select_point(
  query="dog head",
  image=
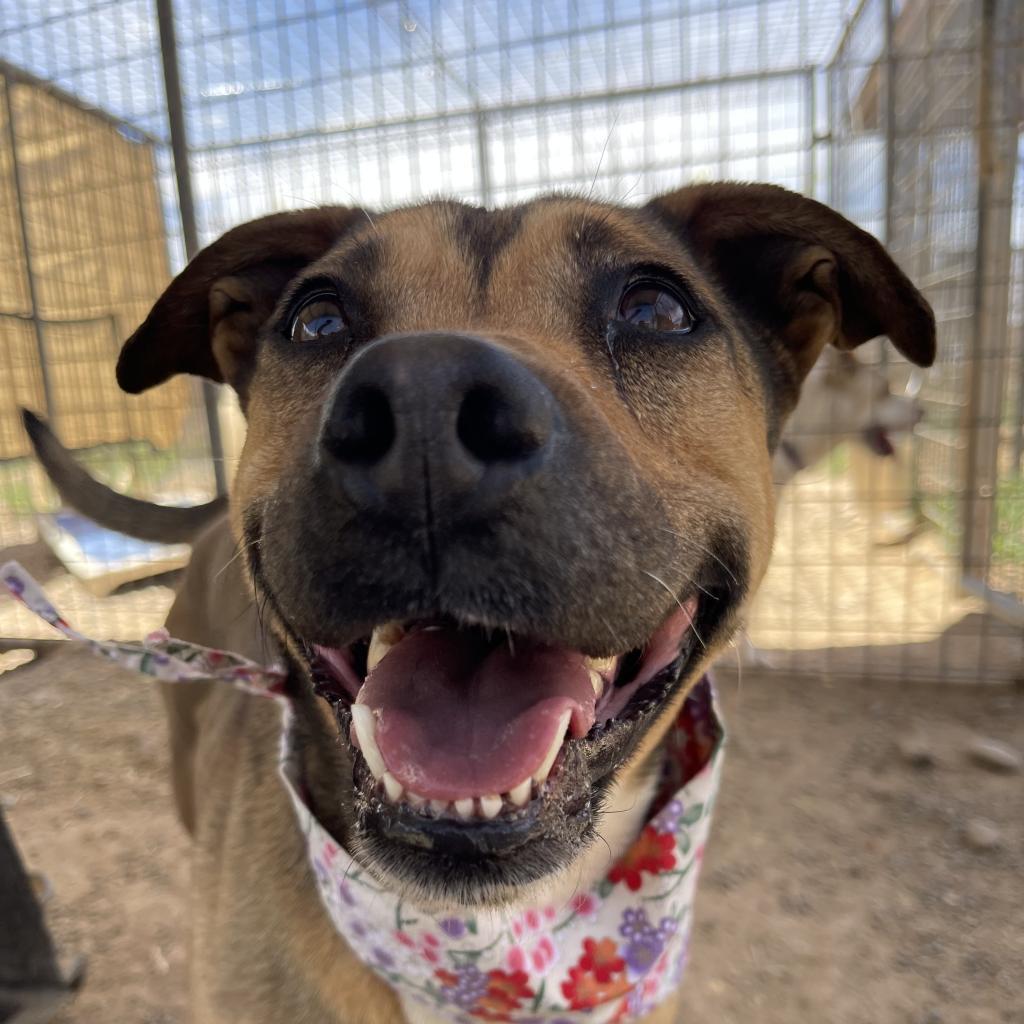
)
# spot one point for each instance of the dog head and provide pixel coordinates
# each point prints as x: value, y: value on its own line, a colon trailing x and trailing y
x: 505, y: 483
x: 843, y: 399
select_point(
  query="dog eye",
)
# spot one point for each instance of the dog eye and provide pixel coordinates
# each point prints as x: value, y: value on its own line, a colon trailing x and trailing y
x: 318, y: 317
x: 655, y: 306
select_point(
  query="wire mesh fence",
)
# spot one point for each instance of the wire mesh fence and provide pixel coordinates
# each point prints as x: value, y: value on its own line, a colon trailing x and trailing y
x: 904, y: 114
x: 925, y: 116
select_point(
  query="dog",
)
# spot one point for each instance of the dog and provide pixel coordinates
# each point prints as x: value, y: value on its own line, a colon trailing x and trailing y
x: 842, y: 399
x: 529, y: 449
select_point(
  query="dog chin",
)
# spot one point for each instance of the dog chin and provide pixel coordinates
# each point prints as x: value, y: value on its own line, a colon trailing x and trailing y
x: 486, y: 763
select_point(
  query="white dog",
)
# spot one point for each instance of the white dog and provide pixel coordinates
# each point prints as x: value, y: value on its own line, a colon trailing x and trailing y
x: 843, y: 399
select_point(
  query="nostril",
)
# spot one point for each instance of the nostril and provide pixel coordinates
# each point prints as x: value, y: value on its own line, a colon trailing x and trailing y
x: 363, y: 428
x: 492, y: 427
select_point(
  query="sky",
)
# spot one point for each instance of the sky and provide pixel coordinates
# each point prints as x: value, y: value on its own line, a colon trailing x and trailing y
x: 293, y: 102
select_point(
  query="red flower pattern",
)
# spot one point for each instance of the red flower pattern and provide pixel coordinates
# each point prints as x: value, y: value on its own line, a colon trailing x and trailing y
x: 653, y: 852
x: 598, y: 977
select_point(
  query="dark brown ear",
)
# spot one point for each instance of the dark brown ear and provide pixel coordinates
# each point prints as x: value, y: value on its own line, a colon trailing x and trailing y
x: 206, y: 321
x: 800, y: 269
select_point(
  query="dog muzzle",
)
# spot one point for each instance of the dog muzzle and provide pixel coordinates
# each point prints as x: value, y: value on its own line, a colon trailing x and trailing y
x: 613, y: 953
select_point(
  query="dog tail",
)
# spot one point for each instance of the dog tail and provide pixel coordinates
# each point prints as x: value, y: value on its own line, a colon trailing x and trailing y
x: 145, y: 520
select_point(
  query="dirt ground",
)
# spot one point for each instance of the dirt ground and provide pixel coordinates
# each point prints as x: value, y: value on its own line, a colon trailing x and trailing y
x: 839, y: 885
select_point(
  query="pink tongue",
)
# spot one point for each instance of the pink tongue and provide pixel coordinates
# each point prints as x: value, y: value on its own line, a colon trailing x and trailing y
x: 457, y: 719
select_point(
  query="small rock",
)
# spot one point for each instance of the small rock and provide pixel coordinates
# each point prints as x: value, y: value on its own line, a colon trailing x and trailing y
x: 982, y: 834
x: 915, y: 750
x: 1000, y: 757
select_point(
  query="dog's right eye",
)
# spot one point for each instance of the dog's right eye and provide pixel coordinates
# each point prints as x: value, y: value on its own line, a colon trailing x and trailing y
x: 656, y: 306
x: 318, y: 317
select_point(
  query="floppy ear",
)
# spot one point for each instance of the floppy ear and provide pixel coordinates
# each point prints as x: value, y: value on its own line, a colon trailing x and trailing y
x: 799, y: 269
x: 206, y: 321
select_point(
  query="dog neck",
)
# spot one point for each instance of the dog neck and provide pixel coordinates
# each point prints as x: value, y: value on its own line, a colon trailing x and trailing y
x: 614, y: 950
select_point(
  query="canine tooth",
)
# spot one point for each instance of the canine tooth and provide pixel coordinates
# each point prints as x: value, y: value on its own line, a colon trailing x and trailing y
x: 439, y: 806
x: 541, y: 774
x: 464, y: 808
x: 520, y: 795
x: 392, y: 787
x: 597, y: 682
x: 602, y: 664
x: 383, y: 638
x: 390, y: 632
x: 490, y: 805
x: 365, y: 726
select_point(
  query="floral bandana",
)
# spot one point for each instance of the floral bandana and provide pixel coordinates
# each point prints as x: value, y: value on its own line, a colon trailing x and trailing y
x: 611, y: 954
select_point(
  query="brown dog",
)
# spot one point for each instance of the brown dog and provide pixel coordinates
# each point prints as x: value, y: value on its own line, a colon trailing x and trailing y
x: 553, y: 424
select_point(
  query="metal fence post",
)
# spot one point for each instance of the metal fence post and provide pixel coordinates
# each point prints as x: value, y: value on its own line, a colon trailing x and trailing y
x: 483, y: 157
x: 889, y: 121
x: 26, y: 242
x: 186, y: 206
x: 986, y: 383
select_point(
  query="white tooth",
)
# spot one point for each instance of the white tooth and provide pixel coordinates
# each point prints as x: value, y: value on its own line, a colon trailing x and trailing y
x: 520, y: 796
x: 597, y: 682
x: 439, y: 807
x: 464, y: 808
x: 541, y: 774
x: 382, y: 639
x: 365, y: 726
x: 490, y: 805
x: 415, y: 800
x: 390, y: 632
x: 602, y: 664
x: 392, y: 787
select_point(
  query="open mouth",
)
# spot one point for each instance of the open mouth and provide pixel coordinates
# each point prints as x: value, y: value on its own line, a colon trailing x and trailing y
x: 460, y: 724
x: 878, y: 441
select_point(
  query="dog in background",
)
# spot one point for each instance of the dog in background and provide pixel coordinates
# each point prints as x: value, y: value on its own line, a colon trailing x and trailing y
x: 842, y: 399
x: 498, y: 434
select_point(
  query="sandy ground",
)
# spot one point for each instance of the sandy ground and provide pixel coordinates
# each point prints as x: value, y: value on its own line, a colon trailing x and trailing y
x: 839, y: 885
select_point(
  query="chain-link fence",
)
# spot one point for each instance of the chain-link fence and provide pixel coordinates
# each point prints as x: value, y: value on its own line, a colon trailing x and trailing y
x: 902, y: 113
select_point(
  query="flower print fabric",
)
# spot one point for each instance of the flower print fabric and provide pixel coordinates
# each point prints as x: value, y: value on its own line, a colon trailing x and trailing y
x: 612, y: 953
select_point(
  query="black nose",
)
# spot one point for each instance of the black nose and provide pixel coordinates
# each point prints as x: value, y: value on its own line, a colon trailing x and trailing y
x: 436, y: 425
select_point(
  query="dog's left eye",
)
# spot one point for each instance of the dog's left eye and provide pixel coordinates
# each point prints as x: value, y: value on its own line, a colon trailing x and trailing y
x: 318, y: 317
x: 655, y: 306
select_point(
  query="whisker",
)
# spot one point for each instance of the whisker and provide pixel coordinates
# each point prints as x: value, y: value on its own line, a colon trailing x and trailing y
x: 604, y: 150
x: 706, y: 550
x: 239, y: 549
x: 675, y: 598
x: 739, y: 669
